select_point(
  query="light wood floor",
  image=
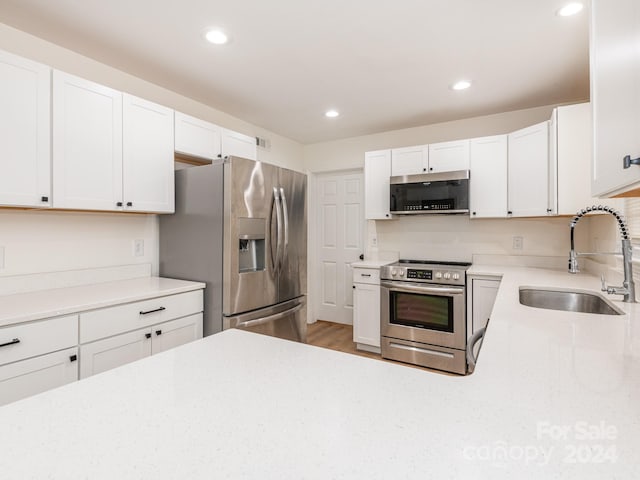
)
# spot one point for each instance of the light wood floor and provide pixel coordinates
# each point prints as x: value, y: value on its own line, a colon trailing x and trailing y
x: 335, y: 336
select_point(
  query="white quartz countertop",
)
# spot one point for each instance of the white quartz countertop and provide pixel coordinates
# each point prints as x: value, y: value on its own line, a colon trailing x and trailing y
x: 24, y: 307
x: 555, y: 395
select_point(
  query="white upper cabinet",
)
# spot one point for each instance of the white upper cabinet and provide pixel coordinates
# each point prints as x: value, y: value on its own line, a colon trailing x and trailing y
x: 449, y: 156
x: 571, y: 126
x: 528, y: 171
x: 377, y: 170
x: 87, y: 144
x: 615, y: 94
x: 148, y: 180
x: 410, y: 160
x: 25, y: 126
x: 197, y: 138
x: 488, y: 182
x: 238, y: 145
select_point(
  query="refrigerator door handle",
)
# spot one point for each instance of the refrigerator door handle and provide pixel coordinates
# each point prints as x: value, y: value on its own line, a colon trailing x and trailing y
x: 275, y: 205
x: 285, y: 215
x: 270, y: 318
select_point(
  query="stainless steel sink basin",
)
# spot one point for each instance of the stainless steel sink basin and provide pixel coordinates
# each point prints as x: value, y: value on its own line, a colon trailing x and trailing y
x: 568, y: 301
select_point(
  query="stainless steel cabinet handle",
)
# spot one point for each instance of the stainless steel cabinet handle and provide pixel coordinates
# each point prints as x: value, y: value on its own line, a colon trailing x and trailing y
x: 12, y: 342
x: 471, y: 358
x: 153, y: 311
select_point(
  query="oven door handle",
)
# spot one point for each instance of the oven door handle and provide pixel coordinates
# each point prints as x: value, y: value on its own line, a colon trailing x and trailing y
x: 418, y: 288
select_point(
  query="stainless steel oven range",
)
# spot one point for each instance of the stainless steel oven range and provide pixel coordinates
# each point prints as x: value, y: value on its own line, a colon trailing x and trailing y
x: 423, y: 314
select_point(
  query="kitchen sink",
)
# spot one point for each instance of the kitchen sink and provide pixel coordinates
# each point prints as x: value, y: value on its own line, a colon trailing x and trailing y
x: 568, y: 301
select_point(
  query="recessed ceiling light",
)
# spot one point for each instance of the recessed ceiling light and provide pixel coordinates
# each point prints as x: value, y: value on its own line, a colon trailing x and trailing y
x: 570, y: 9
x: 216, y: 36
x: 461, y: 85
x: 331, y: 113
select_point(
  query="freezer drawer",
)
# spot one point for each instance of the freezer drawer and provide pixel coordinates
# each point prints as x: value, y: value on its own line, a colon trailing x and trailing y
x: 286, y: 320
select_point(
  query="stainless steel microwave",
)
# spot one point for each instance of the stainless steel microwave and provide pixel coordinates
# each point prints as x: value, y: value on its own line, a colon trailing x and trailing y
x: 444, y: 192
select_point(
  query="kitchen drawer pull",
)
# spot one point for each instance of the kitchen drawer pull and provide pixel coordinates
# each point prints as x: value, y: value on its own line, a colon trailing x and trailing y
x: 12, y: 342
x: 147, y: 335
x: 158, y: 332
x: 152, y: 311
x: 365, y: 274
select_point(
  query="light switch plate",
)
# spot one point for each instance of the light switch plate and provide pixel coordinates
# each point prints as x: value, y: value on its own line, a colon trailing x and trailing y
x: 518, y: 243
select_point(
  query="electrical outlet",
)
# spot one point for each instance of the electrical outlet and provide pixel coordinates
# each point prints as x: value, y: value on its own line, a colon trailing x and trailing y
x: 138, y: 248
x: 374, y: 241
x: 518, y: 243
x: 1, y: 258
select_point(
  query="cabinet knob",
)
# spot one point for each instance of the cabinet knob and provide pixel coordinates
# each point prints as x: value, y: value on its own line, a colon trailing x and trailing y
x: 73, y: 358
x: 548, y: 210
x: 44, y: 198
x: 129, y: 204
x: 386, y: 214
x: 424, y: 169
x: 353, y: 286
x: 118, y: 204
x: 430, y: 169
x: 158, y: 332
x: 509, y: 212
x: 474, y: 213
x: 147, y: 335
x: 628, y: 161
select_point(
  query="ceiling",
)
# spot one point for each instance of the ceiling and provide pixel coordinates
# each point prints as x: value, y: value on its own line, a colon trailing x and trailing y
x: 383, y: 65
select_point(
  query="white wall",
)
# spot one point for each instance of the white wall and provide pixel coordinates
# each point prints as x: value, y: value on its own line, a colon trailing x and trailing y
x: 53, y: 241
x: 35, y: 241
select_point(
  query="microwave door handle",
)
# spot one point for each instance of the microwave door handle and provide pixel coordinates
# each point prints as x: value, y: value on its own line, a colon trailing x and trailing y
x: 422, y: 289
x: 285, y: 216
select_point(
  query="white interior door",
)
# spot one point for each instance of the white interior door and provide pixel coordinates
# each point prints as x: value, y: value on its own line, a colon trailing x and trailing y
x: 340, y: 226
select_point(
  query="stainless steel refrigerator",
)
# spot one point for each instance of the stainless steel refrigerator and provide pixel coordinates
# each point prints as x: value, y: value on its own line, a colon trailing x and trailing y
x: 240, y: 226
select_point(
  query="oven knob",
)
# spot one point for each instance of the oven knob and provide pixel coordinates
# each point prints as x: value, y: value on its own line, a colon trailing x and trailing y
x: 456, y: 276
x: 438, y: 274
x: 447, y: 276
x: 394, y: 272
x: 401, y: 272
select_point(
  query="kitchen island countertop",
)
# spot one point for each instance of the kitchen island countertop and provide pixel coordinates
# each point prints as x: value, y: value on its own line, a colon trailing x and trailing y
x: 554, y: 395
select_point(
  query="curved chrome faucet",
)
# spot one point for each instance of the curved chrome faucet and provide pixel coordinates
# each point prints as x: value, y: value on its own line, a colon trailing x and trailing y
x: 628, y: 288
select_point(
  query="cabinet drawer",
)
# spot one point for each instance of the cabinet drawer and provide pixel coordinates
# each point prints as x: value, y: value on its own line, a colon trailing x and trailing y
x: 28, y: 377
x: 36, y: 338
x: 123, y: 318
x: 366, y: 275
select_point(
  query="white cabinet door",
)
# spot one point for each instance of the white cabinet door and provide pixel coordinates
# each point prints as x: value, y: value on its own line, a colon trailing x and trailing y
x: 615, y: 94
x: 197, y: 138
x: 366, y: 314
x: 573, y: 149
x: 238, y: 145
x: 28, y: 377
x: 488, y: 182
x: 377, y: 170
x: 410, y: 160
x: 528, y: 160
x: 112, y: 352
x: 25, y: 129
x: 449, y: 156
x: 175, y: 333
x: 87, y: 144
x: 147, y: 156
x: 484, y: 292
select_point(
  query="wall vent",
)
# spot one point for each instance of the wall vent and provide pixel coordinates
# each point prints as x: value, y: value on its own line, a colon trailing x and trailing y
x: 264, y: 143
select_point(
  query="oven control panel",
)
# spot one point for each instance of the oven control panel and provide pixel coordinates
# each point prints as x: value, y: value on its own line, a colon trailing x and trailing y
x: 416, y: 274
x: 437, y: 274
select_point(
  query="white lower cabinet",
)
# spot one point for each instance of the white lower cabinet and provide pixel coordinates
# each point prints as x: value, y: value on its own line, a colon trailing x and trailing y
x: 481, y: 296
x: 366, y: 309
x: 112, y: 352
x: 175, y: 333
x: 28, y: 377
